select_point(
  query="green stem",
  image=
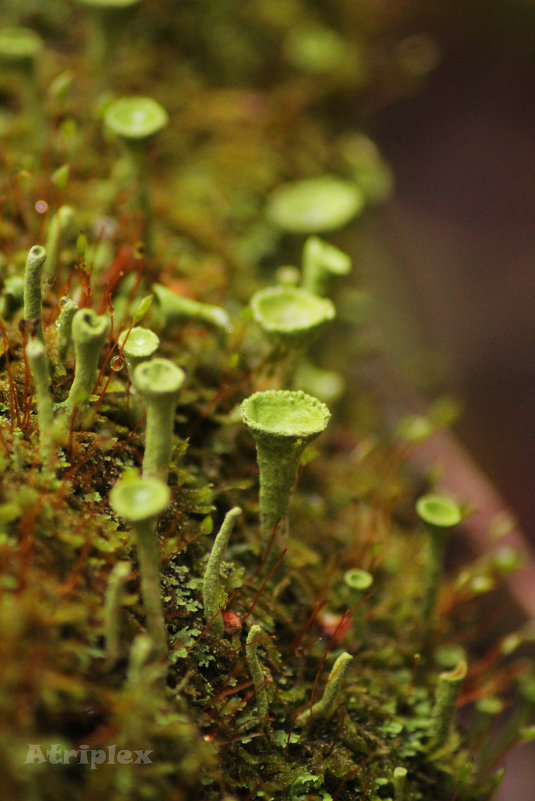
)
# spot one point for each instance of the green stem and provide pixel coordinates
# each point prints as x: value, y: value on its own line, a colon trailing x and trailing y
x: 33, y: 298
x: 148, y: 554
x: 38, y: 363
x: 324, y: 707
x: 212, y: 575
x: 257, y: 674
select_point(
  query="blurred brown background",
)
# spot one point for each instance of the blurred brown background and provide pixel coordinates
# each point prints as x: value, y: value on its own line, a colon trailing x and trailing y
x: 462, y: 226
x: 460, y: 239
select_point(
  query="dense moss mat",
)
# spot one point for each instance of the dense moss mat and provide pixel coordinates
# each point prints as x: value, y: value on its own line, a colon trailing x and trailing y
x: 257, y: 94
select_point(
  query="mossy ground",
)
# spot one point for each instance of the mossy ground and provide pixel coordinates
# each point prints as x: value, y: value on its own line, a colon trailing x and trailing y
x: 243, y: 120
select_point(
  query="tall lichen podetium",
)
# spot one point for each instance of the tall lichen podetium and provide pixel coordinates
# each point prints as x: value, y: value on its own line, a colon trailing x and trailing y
x: 325, y: 706
x: 446, y: 695
x: 89, y: 331
x: 212, y: 577
x: 69, y: 308
x: 38, y: 363
x: 282, y: 423
x: 33, y: 297
x: 140, y: 501
x: 158, y: 381
x: 292, y: 318
x: 135, y: 121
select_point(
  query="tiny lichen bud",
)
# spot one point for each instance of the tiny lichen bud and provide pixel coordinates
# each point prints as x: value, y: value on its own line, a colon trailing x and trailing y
x: 159, y: 382
x: 173, y: 308
x: 64, y: 326
x: 60, y: 222
x: 116, y: 583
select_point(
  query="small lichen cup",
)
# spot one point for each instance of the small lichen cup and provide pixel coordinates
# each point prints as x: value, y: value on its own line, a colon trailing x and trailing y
x: 159, y: 382
x: 137, y: 345
x: 282, y: 424
x: 315, y: 205
x: 439, y: 514
x: 291, y: 315
x: 140, y: 501
x: 292, y: 318
x: 135, y: 121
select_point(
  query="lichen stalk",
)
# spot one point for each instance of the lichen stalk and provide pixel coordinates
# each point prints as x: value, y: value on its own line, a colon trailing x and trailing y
x: 212, y: 577
x: 446, y: 695
x: 159, y: 381
x: 33, y: 298
x: 38, y: 364
x: 69, y: 308
x: 148, y: 554
x: 88, y: 333
x: 325, y: 706
x: 116, y: 584
x: 255, y: 668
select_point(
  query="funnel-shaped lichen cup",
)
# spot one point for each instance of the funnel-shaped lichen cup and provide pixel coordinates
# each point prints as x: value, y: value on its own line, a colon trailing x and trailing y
x: 315, y: 205
x: 282, y: 423
x: 290, y: 315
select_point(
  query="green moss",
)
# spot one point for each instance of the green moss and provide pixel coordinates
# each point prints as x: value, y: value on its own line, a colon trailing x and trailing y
x: 220, y: 714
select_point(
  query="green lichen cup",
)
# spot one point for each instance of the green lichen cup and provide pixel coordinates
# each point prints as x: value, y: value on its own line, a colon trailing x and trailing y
x: 439, y: 514
x: 282, y: 424
x: 137, y: 345
x: 315, y: 205
x: 291, y: 315
x: 135, y: 120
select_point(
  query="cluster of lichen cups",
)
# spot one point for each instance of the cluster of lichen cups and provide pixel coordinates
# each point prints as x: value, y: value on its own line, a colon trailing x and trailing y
x: 282, y: 421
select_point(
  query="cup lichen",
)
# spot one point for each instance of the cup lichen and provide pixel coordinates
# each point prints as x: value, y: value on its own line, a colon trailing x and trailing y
x: 159, y: 382
x: 282, y: 423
